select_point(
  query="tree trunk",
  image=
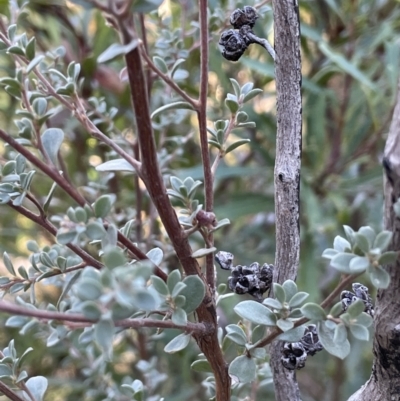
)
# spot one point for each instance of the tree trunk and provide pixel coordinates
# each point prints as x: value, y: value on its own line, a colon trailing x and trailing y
x: 287, y: 169
x: 384, y: 383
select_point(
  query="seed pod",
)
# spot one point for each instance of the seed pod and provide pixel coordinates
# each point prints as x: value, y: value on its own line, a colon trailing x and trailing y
x: 233, y: 43
x: 294, y: 356
x: 246, y: 16
x: 224, y: 259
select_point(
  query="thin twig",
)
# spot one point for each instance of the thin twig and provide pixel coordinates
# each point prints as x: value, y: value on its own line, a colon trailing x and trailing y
x: 202, y: 119
x: 4, y: 389
x: 45, y: 315
x: 168, y: 80
x: 43, y: 222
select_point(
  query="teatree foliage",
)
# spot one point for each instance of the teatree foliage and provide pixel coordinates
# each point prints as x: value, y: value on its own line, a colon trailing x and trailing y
x: 349, y: 84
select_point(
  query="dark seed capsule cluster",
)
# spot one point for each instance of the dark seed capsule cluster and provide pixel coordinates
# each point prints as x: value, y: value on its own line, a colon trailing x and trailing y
x: 360, y: 292
x: 235, y: 41
x: 294, y: 355
x: 254, y: 279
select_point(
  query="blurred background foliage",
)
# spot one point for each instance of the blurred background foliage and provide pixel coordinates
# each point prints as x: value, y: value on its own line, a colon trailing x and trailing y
x: 350, y: 56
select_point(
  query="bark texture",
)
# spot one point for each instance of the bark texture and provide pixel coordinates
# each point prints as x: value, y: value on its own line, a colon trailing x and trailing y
x: 287, y: 168
x: 384, y: 383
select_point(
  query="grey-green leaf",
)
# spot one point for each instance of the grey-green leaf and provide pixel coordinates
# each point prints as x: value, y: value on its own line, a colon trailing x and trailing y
x: 178, y: 343
x: 382, y: 240
x: 159, y: 285
x: 358, y: 264
x: 116, y: 165
x: 359, y: 332
x: 179, y: 317
x: 171, y: 106
x: 203, y: 252
x: 103, y: 205
x: 37, y: 386
x: 380, y: 278
x: 52, y: 139
x: 255, y: 313
x: 194, y: 292
x: 388, y: 257
x: 313, y: 311
x: 115, y: 50
x: 201, y: 365
x: 243, y: 368
x: 326, y: 338
x: 298, y: 299
x: 341, y: 262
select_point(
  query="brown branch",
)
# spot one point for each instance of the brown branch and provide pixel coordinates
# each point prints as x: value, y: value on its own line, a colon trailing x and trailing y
x: 49, y: 170
x: 202, y: 119
x: 4, y: 389
x: 45, y: 315
x: 153, y: 180
x: 43, y: 222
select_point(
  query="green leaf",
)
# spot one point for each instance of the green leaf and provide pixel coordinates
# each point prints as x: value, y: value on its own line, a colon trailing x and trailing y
x: 341, y: 245
x: 194, y: 292
x: 272, y: 303
x: 292, y: 335
x: 89, y: 289
x: 37, y: 386
x: 336, y: 309
x: 236, y: 86
x: 341, y: 350
x: 232, y: 105
x: 359, y: 332
x: 95, y: 230
x: 68, y: 286
x: 173, y: 278
x: 362, y: 242
x: 298, y: 299
x: 379, y: 277
x: 340, y: 334
x: 91, y: 310
x: 116, y: 165
x: 388, y: 258
x: 243, y: 368
x: 285, y: 324
x: 49, y: 197
x: 30, y: 48
x: 160, y: 64
x: 313, y: 311
x: 116, y: 50
x: 364, y: 319
x: 171, y: 106
x: 103, y: 205
x: 236, y: 144
x: 66, y: 237
x: 203, y: 252
x: 356, y: 308
x: 178, y: 289
x: 8, y: 264
x: 155, y: 255
x: 255, y: 313
x: 220, y: 224
x: 250, y: 95
x: 52, y: 139
x: 178, y: 343
x: 201, y: 365
x: 290, y: 288
x: 146, y: 6
x: 179, y: 317
x: 349, y: 234
x: 114, y: 258
x: 369, y: 233
x: 342, y: 261
x: 18, y: 50
x: 359, y: 264
x: 279, y: 292
x: 236, y: 334
x: 383, y: 240
x: 159, y: 285
x: 104, y: 335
